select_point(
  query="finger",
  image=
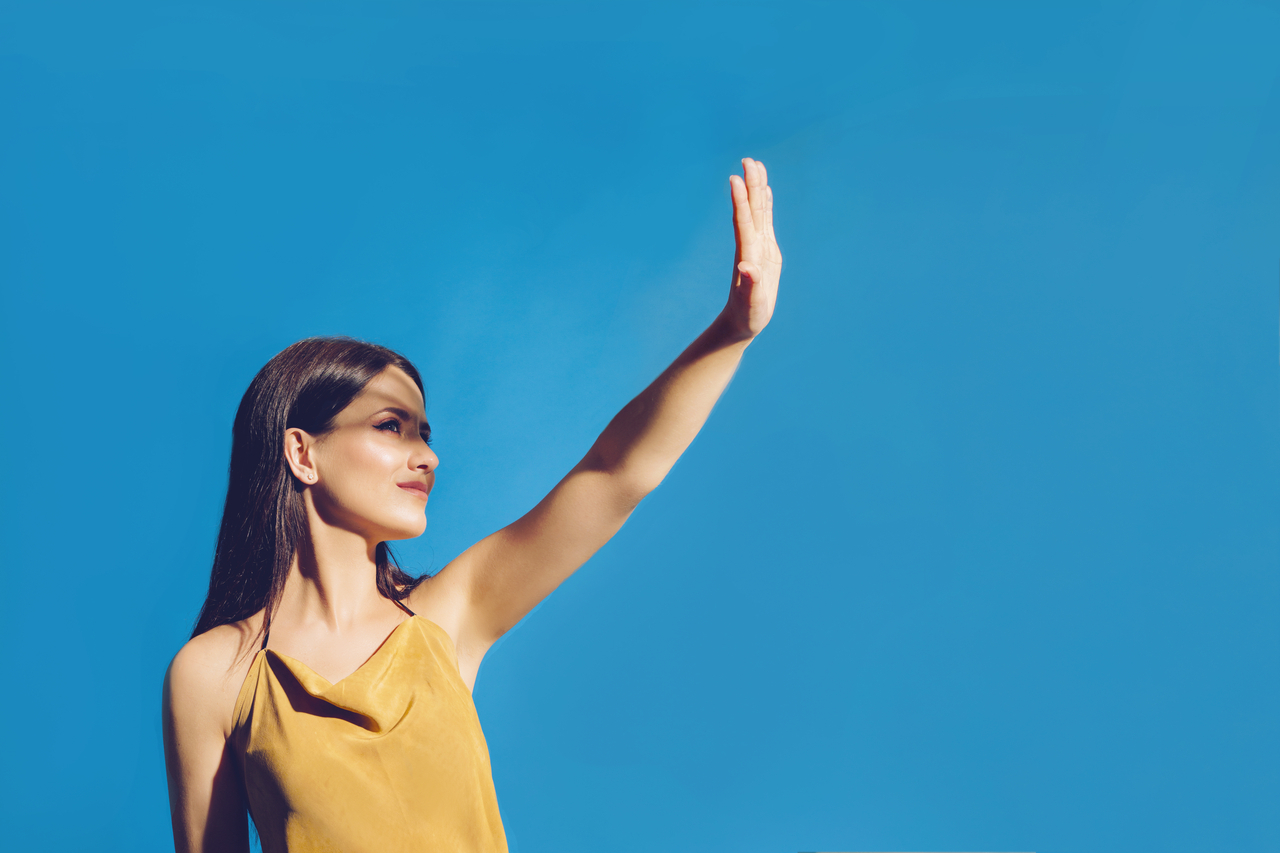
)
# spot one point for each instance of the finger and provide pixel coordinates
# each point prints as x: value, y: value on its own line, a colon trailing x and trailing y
x: 767, y: 225
x: 768, y: 215
x: 749, y: 271
x: 755, y: 190
x: 742, y: 224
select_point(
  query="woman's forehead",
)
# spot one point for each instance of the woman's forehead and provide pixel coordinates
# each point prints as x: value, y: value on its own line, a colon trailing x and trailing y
x: 392, y: 388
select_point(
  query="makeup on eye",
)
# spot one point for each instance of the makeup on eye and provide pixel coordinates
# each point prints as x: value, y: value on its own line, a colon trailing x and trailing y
x: 394, y: 425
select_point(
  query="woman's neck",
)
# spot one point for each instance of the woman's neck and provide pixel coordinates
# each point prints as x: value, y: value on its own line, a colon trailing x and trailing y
x: 333, y: 580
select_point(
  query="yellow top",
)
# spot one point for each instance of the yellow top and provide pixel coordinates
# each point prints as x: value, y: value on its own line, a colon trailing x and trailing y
x: 391, y: 758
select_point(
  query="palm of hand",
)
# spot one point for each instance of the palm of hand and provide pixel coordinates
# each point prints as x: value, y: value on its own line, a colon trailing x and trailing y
x: 757, y: 264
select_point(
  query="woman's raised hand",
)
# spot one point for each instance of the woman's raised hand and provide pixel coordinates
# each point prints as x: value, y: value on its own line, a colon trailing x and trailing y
x: 758, y: 261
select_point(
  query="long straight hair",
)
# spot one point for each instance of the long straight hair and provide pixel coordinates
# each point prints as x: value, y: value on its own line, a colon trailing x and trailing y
x: 264, y: 520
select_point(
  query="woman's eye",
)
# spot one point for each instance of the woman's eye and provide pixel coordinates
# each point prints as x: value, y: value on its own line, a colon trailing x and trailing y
x: 392, y: 426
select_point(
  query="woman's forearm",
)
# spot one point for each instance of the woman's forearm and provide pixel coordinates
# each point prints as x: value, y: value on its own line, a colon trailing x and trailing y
x: 504, y: 576
x: 645, y: 439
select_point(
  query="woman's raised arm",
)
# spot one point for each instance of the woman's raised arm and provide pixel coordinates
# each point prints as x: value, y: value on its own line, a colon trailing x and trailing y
x: 487, y: 589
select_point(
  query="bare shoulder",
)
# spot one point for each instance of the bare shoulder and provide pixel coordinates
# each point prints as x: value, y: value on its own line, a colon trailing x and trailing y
x: 206, y: 674
x: 200, y: 690
x: 443, y: 597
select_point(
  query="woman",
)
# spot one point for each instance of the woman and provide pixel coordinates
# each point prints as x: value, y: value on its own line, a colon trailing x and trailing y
x: 373, y: 743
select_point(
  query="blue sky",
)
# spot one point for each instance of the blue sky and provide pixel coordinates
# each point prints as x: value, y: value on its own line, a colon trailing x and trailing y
x: 978, y: 551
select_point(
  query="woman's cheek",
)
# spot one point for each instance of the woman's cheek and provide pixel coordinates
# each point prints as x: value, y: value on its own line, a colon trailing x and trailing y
x: 372, y: 459
x: 356, y: 470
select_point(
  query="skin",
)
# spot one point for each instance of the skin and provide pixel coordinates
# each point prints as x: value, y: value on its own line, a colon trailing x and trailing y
x: 331, y: 615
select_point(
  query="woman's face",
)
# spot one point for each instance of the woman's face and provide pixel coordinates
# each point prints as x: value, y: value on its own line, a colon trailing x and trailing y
x: 373, y: 471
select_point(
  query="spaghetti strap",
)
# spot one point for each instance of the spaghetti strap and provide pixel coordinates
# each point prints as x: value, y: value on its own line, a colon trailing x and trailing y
x: 402, y: 607
x: 265, y: 634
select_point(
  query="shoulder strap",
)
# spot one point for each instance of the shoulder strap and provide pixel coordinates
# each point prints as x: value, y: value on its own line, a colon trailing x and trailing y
x: 402, y: 607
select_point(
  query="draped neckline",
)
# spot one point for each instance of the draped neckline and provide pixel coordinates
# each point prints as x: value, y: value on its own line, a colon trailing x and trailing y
x: 353, y: 689
x: 295, y: 664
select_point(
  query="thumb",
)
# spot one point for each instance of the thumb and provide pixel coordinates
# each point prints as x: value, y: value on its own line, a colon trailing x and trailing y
x: 749, y: 271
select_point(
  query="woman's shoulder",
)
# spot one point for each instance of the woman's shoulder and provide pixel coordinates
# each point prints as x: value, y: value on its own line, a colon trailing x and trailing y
x: 205, y: 676
x: 439, y: 598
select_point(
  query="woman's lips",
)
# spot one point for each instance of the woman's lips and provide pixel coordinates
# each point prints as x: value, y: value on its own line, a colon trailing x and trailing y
x: 417, y: 488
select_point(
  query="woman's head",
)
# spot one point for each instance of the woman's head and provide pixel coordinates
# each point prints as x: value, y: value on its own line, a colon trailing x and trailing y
x: 368, y: 469
x: 331, y: 427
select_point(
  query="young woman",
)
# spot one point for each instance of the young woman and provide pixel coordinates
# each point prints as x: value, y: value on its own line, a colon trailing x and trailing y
x: 325, y: 691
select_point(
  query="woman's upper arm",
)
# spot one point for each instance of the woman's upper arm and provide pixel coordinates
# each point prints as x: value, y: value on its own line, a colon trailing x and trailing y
x: 206, y: 800
x: 494, y: 583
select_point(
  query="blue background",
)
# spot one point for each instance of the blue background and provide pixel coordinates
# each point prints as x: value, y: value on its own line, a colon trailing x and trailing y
x: 978, y: 551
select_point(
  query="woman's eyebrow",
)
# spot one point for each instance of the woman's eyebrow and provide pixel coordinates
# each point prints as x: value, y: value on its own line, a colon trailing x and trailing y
x: 404, y: 413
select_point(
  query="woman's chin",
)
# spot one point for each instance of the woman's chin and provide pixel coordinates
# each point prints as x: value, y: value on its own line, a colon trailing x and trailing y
x: 397, y: 532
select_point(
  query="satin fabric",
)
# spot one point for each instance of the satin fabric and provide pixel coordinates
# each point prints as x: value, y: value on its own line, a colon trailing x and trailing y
x: 390, y: 758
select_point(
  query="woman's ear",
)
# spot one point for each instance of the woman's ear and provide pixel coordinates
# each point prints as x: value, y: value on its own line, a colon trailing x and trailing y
x: 298, y: 444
